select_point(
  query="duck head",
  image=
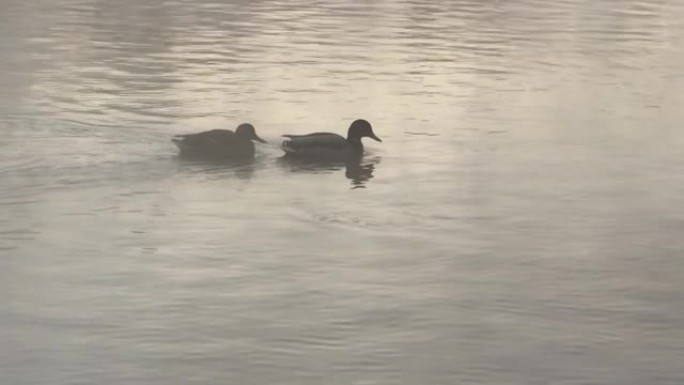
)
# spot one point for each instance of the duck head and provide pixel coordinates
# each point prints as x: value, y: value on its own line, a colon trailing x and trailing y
x: 246, y: 131
x: 361, y: 128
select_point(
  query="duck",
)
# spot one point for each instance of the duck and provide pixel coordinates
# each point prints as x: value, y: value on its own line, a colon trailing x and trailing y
x: 219, y: 143
x: 330, y: 146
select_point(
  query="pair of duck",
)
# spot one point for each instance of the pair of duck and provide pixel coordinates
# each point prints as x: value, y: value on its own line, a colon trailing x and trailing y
x: 226, y: 144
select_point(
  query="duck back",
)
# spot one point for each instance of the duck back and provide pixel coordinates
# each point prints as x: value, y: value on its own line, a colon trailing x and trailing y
x: 320, y: 146
x: 214, y: 144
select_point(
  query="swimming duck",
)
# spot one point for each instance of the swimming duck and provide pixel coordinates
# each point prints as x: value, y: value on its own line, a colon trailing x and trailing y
x: 219, y: 144
x: 329, y: 146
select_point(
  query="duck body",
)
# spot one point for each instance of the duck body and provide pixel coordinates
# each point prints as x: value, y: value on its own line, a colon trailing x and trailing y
x: 219, y: 144
x: 321, y: 145
x: 329, y: 146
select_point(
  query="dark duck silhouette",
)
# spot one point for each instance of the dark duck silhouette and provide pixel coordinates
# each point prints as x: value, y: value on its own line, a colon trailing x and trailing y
x: 219, y: 144
x: 328, y: 146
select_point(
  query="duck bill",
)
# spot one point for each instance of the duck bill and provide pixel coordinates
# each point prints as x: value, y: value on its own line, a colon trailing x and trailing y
x: 372, y: 136
x: 258, y: 139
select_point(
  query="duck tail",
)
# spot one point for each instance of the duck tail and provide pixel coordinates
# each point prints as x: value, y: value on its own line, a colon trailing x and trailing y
x: 178, y: 142
x: 287, y: 147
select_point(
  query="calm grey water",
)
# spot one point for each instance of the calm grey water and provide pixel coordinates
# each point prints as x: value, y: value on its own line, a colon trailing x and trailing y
x: 521, y: 223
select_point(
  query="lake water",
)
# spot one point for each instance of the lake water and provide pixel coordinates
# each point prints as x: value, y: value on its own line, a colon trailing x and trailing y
x: 521, y: 223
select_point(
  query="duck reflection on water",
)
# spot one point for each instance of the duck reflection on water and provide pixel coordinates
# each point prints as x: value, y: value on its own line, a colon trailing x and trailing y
x: 220, y: 168
x: 358, y: 170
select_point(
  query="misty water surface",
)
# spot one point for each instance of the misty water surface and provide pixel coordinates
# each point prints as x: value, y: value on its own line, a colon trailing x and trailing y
x: 521, y: 223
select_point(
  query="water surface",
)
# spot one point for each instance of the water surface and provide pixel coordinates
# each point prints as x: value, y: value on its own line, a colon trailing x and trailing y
x: 520, y: 223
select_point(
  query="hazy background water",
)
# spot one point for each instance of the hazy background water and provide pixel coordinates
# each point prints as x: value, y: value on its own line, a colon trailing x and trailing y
x: 521, y: 223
